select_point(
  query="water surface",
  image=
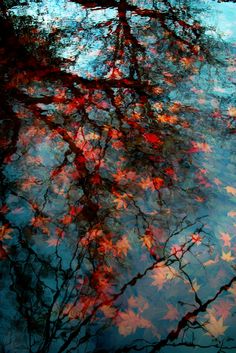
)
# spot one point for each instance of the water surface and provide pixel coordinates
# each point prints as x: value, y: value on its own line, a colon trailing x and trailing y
x: 118, y: 183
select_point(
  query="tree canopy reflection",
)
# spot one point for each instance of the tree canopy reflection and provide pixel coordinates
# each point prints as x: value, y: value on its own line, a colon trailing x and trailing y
x: 117, y: 230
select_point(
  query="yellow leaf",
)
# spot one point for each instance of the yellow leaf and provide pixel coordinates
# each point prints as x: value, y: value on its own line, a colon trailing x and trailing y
x: 232, y: 112
x: 226, y: 256
x: 215, y: 327
x: 231, y: 190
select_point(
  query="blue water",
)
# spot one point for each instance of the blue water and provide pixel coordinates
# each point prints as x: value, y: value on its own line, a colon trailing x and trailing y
x: 118, y: 183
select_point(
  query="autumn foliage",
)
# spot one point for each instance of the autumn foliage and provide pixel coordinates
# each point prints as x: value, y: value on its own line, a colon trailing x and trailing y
x: 117, y: 225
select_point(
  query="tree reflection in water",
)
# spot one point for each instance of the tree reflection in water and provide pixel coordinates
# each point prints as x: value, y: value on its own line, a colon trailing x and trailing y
x: 117, y: 184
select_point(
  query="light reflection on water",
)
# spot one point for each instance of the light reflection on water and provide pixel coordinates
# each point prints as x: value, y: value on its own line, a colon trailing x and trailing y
x: 118, y: 207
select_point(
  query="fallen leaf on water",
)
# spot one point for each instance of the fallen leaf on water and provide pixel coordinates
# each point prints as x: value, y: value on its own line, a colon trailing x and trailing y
x: 231, y: 190
x: 215, y: 327
x: 226, y: 238
x: 123, y: 246
x: 231, y: 214
x: 138, y: 302
x: 162, y: 274
x: 211, y: 262
x: 128, y: 322
x: 232, y: 112
x: 226, y: 256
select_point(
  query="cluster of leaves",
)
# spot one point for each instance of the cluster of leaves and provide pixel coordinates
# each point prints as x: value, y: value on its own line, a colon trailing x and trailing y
x: 107, y: 181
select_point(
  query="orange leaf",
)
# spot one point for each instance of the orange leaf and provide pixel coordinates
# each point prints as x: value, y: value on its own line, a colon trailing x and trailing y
x: 227, y: 256
x: 226, y: 238
x: 231, y: 214
x: 162, y: 274
x: 231, y: 190
x: 123, y: 246
x: 128, y: 322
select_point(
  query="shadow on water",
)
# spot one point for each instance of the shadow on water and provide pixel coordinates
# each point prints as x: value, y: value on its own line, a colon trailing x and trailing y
x: 117, y: 180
